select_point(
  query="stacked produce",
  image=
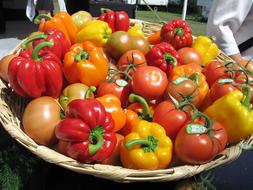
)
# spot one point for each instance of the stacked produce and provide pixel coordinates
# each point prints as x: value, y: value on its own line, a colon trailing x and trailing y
x: 100, y: 91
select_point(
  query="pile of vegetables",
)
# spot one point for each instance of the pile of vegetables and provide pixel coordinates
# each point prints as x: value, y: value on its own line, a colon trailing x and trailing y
x: 102, y: 92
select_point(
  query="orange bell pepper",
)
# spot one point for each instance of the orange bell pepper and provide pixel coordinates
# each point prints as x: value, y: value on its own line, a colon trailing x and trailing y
x: 132, y: 119
x: 61, y: 21
x: 192, y: 71
x: 85, y: 63
x: 155, y: 38
x: 112, y: 105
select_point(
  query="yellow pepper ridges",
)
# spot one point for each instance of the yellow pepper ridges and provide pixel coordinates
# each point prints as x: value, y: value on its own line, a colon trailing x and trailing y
x: 146, y: 147
x: 206, y: 48
x: 231, y: 112
x: 136, y: 31
x: 96, y: 31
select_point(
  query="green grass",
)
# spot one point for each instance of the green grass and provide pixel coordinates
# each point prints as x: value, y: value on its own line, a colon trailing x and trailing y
x: 198, y: 28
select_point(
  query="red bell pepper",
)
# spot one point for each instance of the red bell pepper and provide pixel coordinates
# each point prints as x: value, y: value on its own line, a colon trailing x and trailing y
x: 163, y: 56
x: 87, y: 131
x: 177, y: 33
x: 116, y: 20
x: 36, y: 73
x: 60, y: 44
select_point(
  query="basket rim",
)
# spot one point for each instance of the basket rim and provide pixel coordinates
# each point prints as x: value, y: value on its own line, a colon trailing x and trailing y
x: 12, y: 125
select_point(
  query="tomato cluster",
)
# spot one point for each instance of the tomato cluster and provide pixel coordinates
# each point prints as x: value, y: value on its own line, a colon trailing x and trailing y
x: 96, y: 94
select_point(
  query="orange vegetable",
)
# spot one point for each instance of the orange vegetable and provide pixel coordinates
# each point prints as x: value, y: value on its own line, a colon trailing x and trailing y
x: 112, y: 105
x: 61, y: 21
x: 154, y: 38
x: 132, y: 119
x: 193, y: 72
x: 85, y: 63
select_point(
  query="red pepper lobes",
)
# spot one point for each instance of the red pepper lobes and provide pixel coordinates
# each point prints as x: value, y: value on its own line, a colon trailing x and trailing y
x: 36, y: 73
x: 60, y: 44
x: 116, y: 20
x: 177, y: 33
x: 87, y: 131
x: 163, y: 56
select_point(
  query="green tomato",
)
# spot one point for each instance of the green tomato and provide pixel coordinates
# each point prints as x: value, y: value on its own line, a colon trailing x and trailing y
x: 80, y: 18
x: 121, y: 42
x: 72, y: 92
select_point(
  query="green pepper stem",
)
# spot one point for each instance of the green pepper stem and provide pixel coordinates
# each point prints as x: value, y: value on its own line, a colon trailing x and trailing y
x: 96, y: 135
x: 89, y: 91
x: 167, y: 57
x: 179, y: 31
x: 82, y: 55
x: 247, y: 92
x: 41, y: 16
x: 149, y: 144
x: 104, y: 10
x: 32, y: 38
x: 146, y: 110
x: 35, y: 53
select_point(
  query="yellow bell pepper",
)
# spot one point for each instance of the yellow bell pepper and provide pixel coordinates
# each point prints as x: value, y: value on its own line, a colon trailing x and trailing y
x: 234, y: 112
x: 136, y: 30
x: 206, y: 48
x: 96, y: 31
x: 146, y: 147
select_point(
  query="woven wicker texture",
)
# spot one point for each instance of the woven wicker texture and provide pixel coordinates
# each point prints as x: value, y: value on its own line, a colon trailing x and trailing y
x: 12, y: 107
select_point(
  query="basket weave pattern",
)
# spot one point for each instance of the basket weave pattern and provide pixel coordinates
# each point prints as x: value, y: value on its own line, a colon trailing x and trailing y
x: 12, y: 107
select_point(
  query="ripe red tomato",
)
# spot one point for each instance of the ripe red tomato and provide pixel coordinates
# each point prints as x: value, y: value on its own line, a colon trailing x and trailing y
x: 40, y: 117
x: 214, y: 71
x: 170, y: 118
x: 149, y: 82
x: 200, y: 148
x: 185, y: 88
x: 218, y: 90
x: 122, y: 92
x: 189, y: 55
x: 134, y: 57
x: 4, y: 63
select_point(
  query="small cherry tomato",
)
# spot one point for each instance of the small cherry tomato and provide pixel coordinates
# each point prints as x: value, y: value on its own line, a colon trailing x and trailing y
x: 189, y: 55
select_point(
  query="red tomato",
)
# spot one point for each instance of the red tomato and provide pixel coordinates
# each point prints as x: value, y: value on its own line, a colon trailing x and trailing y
x: 185, y: 88
x: 114, y: 158
x: 218, y: 90
x: 40, y: 117
x: 130, y: 60
x: 149, y: 82
x: 4, y: 63
x: 122, y: 92
x: 189, y: 55
x: 214, y: 71
x: 200, y: 148
x: 170, y: 118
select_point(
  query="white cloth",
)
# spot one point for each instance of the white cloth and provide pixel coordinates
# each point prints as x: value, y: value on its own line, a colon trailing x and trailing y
x: 231, y: 22
x: 30, y: 8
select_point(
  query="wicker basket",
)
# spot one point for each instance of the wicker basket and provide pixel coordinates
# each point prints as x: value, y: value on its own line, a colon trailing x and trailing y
x: 12, y: 107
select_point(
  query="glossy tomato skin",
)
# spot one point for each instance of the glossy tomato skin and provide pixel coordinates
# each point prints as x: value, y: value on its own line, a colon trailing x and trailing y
x: 135, y: 57
x: 214, y: 71
x: 40, y: 117
x: 200, y: 148
x: 149, y: 82
x: 218, y: 90
x: 186, y: 88
x: 170, y: 118
x: 189, y: 55
x: 122, y: 92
